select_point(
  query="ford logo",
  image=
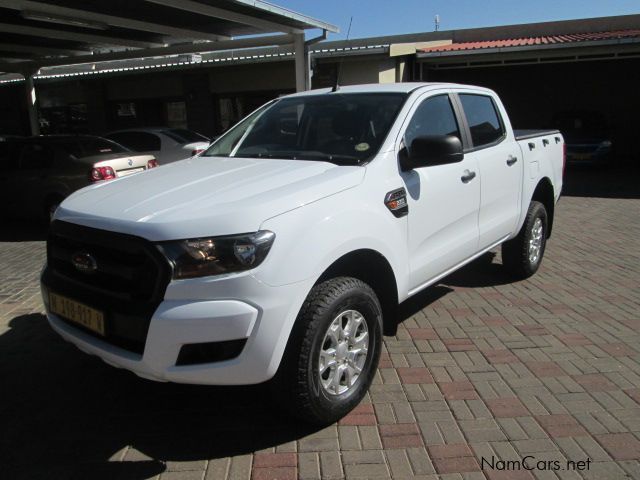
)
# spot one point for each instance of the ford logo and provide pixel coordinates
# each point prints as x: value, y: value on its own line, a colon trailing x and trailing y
x: 84, y: 262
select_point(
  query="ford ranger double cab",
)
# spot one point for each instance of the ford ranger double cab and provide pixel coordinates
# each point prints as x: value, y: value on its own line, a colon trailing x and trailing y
x: 281, y: 253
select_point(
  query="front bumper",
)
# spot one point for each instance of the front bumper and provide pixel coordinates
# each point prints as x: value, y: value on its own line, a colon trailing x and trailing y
x: 206, y: 310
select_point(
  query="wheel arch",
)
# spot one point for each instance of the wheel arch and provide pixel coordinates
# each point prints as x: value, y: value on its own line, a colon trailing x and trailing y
x: 544, y: 194
x: 374, y: 269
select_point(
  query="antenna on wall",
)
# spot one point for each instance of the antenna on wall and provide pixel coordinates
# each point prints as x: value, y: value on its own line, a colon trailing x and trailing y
x: 336, y: 86
x: 437, y: 20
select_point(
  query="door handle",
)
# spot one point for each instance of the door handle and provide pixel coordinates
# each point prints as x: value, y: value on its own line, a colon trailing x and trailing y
x: 468, y: 176
x: 511, y: 160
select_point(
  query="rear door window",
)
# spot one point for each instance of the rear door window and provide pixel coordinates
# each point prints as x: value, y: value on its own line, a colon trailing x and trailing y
x: 485, y: 125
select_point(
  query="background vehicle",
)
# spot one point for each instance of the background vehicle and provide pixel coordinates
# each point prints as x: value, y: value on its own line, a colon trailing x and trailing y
x: 282, y: 252
x: 587, y: 136
x: 166, y: 144
x: 37, y: 173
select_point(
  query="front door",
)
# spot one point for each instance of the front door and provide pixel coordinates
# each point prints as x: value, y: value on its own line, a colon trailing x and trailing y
x: 443, y: 200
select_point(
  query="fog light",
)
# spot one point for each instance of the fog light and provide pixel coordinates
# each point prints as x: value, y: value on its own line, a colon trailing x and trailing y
x: 210, y: 352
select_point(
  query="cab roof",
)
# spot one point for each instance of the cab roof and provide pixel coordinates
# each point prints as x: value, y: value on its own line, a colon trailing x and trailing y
x: 406, y: 87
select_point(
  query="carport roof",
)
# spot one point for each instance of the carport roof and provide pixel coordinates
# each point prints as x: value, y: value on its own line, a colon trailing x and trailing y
x: 537, y: 41
x: 50, y: 32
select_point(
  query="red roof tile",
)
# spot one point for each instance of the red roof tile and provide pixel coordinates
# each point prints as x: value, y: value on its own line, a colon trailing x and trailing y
x: 544, y: 40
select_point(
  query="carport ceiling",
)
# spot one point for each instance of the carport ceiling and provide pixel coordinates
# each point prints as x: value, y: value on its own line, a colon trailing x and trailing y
x: 46, y: 32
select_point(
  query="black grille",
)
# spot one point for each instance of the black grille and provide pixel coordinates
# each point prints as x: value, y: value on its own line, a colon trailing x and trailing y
x: 128, y: 284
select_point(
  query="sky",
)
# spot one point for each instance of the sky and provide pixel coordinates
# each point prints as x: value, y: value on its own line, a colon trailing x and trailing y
x: 388, y: 17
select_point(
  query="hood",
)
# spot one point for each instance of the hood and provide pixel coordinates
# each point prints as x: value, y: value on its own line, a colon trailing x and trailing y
x: 205, y: 196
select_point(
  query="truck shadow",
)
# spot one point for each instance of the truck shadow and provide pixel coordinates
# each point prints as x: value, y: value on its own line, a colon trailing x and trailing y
x: 482, y: 272
x: 66, y: 414
x: 23, y: 231
x: 619, y: 181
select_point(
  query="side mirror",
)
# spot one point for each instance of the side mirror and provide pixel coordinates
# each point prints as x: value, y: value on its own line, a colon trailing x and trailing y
x: 431, y: 150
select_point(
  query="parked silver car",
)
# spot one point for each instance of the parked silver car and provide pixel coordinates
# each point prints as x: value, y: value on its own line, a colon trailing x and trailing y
x: 37, y: 173
x: 166, y: 144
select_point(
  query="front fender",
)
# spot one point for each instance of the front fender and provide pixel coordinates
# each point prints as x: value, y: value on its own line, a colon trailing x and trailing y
x: 311, y: 238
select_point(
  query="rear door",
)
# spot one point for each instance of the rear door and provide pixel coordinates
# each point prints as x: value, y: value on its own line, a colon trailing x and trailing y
x: 443, y: 199
x: 497, y: 154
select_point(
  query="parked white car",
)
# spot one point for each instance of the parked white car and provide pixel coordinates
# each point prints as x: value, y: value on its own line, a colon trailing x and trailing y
x: 282, y: 252
x: 165, y: 144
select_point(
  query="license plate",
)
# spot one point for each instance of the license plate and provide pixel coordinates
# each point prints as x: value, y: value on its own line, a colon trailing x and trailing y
x: 77, y: 312
x: 124, y: 173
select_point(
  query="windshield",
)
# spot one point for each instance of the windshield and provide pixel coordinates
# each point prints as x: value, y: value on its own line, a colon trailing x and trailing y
x: 343, y: 128
x: 96, y: 146
x: 86, y: 146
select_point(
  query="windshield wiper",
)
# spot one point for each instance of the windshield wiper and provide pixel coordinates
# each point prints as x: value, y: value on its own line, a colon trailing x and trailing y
x: 333, y: 158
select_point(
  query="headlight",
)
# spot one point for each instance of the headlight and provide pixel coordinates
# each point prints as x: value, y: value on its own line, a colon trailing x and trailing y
x: 201, y: 257
x: 605, y: 144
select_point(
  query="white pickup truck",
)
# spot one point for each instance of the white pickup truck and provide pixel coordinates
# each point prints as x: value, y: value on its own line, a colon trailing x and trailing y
x: 281, y: 253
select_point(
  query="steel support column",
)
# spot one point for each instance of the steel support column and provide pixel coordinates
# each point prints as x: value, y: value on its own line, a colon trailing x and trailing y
x: 32, y: 107
x: 301, y: 61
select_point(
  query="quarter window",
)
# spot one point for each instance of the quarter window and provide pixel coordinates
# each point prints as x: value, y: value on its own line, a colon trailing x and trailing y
x: 434, y: 116
x: 483, y: 118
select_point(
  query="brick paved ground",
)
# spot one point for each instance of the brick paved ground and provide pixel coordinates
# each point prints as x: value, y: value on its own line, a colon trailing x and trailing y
x: 547, y: 369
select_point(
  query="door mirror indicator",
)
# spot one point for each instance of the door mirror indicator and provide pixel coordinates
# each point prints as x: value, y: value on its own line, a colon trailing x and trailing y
x: 396, y: 202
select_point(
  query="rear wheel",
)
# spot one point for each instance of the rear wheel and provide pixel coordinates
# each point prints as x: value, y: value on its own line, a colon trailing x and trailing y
x: 332, y: 353
x: 523, y: 254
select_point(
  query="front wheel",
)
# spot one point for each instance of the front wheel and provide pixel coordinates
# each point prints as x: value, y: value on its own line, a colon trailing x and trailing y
x: 333, y: 352
x: 523, y: 254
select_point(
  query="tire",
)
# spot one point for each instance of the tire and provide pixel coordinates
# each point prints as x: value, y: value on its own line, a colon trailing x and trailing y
x: 323, y: 397
x: 519, y: 254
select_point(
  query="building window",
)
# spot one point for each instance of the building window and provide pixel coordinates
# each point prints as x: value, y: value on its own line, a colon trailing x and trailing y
x: 176, y: 114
